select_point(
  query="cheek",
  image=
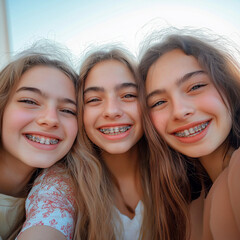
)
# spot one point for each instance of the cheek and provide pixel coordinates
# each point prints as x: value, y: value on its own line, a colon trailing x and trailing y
x: 14, y: 118
x: 159, y: 121
x: 136, y: 110
x: 213, y: 103
x: 72, y: 128
x: 87, y: 120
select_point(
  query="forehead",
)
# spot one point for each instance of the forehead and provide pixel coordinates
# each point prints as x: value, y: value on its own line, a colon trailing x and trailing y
x: 109, y: 73
x: 38, y: 75
x: 49, y: 80
x: 172, y: 65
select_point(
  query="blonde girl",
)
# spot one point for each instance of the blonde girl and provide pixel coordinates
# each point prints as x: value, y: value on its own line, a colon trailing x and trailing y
x: 38, y: 127
x: 112, y: 171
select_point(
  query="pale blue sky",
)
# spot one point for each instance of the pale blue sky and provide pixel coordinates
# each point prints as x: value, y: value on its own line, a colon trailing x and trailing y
x: 77, y: 24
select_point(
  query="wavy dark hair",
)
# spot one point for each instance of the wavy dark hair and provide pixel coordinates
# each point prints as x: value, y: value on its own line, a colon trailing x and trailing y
x: 174, y: 180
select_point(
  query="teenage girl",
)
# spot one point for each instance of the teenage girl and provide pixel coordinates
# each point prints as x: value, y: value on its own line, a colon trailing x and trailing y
x: 193, y: 91
x: 38, y: 128
x: 113, y: 200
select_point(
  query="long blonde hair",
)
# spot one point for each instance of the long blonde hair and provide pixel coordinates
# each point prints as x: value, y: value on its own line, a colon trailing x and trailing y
x: 10, y: 77
x: 95, y: 193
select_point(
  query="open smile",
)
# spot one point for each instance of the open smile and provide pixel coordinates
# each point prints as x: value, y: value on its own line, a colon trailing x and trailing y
x: 190, y: 132
x: 42, y: 139
x: 115, y: 130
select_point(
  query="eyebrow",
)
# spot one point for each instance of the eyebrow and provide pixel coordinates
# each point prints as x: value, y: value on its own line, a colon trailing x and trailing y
x: 118, y: 87
x: 126, y: 85
x: 93, y: 89
x: 188, y: 76
x: 39, y: 92
x: 180, y: 81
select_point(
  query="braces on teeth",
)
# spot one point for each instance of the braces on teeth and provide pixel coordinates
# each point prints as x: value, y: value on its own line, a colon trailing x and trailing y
x: 42, y: 140
x: 114, y: 131
x: 192, y: 131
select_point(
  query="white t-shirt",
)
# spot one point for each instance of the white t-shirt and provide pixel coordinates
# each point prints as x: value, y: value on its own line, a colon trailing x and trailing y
x: 132, y: 227
x: 11, y: 209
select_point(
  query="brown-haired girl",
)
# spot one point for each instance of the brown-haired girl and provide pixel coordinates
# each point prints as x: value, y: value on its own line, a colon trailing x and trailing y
x: 193, y: 91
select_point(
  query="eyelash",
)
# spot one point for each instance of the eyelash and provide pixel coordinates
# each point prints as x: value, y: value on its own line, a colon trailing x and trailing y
x: 197, y: 86
x: 28, y: 101
x: 130, y: 95
x: 157, y: 104
x: 92, y: 100
x: 68, y: 111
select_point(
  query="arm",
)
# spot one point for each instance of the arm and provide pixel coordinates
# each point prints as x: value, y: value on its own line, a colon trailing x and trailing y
x: 50, y: 207
x: 196, y: 217
x: 206, y: 233
x: 41, y: 232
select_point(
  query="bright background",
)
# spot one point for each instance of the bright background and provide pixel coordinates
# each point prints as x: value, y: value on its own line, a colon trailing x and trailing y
x: 78, y: 24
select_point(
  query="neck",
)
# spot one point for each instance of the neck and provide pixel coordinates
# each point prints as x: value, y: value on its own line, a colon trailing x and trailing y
x: 14, y: 176
x: 215, y: 162
x: 122, y: 165
x: 126, y: 175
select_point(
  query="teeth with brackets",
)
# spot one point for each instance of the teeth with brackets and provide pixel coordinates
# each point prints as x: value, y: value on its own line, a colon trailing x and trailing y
x: 114, y: 130
x: 42, y: 140
x: 192, y: 131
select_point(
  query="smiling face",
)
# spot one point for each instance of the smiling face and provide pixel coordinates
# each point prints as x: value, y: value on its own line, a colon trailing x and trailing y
x: 112, y: 118
x: 39, y: 121
x: 185, y: 107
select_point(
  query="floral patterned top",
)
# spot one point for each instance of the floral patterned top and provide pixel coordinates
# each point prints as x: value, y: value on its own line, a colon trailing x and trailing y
x: 50, y: 202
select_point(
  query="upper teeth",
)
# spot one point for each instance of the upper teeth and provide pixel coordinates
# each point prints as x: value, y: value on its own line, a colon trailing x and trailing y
x: 114, y: 130
x: 192, y: 131
x: 42, y: 140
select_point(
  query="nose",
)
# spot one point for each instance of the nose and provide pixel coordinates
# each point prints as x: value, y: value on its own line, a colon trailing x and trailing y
x: 182, y: 108
x: 112, y: 109
x: 48, y: 117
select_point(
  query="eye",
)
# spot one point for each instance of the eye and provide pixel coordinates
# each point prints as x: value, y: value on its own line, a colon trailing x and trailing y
x: 68, y: 111
x: 130, y: 95
x: 92, y: 100
x: 197, y: 86
x: 159, y: 103
x: 28, y: 101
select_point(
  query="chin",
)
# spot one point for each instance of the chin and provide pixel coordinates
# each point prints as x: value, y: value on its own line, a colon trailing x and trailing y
x: 117, y: 151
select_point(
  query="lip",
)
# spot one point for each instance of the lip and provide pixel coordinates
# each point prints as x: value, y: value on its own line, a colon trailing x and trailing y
x: 190, y: 125
x: 194, y: 138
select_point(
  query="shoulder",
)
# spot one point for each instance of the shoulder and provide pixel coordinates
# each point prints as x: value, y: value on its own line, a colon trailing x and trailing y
x: 222, y: 203
x: 50, y: 201
x: 234, y: 164
x: 54, y: 183
x: 233, y: 184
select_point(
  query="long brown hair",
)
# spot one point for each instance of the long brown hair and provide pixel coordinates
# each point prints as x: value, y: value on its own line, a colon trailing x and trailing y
x: 10, y: 77
x: 95, y: 183
x: 171, y: 188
